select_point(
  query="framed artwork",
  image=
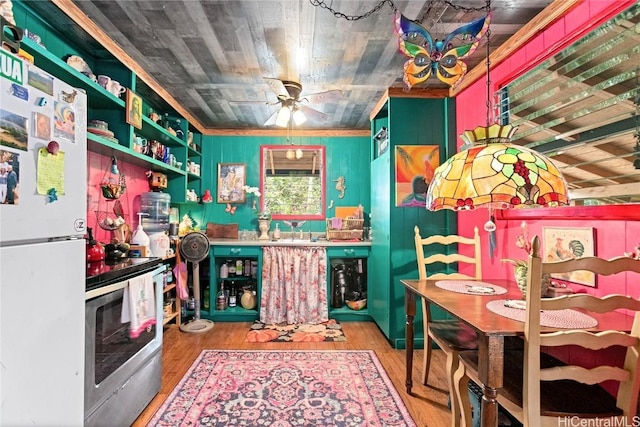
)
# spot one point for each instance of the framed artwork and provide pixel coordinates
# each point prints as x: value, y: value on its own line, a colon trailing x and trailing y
x: 134, y: 110
x: 559, y: 243
x: 231, y: 179
x: 415, y: 166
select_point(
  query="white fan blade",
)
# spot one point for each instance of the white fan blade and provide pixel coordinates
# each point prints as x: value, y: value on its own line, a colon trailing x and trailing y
x: 313, y: 114
x: 323, y: 97
x: 271, y: 121
x: 277, y: 86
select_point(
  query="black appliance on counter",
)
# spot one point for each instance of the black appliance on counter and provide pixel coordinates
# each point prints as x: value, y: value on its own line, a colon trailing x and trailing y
x: 347, y: 281
x: 122, y: 374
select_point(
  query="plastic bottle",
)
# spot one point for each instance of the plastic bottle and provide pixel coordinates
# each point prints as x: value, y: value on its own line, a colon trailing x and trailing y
x: 139, y: 237
x: 224, y: 270
x: 276, y: 232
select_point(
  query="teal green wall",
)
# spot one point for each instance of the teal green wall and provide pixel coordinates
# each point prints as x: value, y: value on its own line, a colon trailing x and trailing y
x: 345, y: 156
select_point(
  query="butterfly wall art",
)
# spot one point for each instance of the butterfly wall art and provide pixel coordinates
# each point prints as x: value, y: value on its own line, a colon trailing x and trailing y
x: 442, y: 58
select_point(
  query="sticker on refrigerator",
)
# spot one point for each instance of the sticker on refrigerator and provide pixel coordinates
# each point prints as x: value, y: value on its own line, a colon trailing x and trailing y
x: 19, y: 92
x: 41, y: 126
x: 13, y: 130
x: 50, y: 173
x: 65, y: 121
x: 40, y: 80
x: 9, y: 177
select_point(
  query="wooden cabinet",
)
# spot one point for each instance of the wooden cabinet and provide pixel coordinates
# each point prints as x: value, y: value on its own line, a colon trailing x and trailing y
x: 408, y: 121
x: 246, y: 255
x: 356, y: 257
x: 353, y: 262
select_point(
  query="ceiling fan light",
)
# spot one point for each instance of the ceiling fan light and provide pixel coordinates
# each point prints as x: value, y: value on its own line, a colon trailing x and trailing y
x: 283, y: 117
x: 299, y: 154
x: 299, y: 117
x: 290, y: 154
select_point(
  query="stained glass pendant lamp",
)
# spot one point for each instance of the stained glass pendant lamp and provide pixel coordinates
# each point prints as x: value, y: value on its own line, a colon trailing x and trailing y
x: 491, y: 172
x: 494, y: 173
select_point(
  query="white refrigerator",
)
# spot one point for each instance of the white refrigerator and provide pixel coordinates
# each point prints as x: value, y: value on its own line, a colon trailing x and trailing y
x: 43, y: 178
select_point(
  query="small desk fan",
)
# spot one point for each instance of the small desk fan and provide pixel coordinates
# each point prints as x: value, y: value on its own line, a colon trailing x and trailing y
x: 194, y: 248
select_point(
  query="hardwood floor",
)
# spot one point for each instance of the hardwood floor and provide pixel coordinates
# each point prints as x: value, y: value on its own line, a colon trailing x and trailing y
x: 428, y: 405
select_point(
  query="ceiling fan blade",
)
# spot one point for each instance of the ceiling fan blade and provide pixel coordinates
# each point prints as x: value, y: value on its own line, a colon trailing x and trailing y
x: 277, y: 86
x: 272, y: 120
x: 323, y: 97
x: 313, y: 114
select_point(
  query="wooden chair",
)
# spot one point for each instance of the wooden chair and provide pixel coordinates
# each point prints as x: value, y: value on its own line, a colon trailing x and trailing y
x: 450, y: 335
x: 540, y: 390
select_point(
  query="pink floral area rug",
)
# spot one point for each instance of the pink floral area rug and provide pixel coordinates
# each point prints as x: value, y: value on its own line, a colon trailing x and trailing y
x: 284, y: 388
x: 327, y: 331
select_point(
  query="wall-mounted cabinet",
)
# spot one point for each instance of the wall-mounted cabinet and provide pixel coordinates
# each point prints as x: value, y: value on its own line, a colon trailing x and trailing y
x: 50, y: 53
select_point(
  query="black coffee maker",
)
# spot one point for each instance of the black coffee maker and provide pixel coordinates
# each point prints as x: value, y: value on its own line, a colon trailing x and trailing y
x: 346, y: 283
x: 340, y: 281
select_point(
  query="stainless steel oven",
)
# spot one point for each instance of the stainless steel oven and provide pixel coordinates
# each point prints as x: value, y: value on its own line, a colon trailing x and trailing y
x: 122, y: 374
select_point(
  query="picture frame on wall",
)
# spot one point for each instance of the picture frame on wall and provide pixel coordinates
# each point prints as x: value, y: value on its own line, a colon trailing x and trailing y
x: 134, y: 109
x: 231, y: 179
x: 560, y: 243
x: 414, y: 170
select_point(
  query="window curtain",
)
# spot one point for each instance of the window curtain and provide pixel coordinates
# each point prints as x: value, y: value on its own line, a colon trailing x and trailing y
x: 294, y: 285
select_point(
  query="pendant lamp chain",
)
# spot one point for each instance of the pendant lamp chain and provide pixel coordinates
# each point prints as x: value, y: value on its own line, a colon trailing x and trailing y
x: 488, y: 35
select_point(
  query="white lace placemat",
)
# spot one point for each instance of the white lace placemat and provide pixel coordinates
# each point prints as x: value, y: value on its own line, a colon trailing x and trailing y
x: 472, y: 287
x: 566, y: 319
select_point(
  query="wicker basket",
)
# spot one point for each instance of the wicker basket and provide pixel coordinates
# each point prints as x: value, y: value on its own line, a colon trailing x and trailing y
x: 350, y: 229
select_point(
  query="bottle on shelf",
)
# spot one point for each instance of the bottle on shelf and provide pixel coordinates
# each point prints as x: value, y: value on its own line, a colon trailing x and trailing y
x: 254, y: 269
x: 205, y: 303
x: 276, y: 232
x: 231, y: 267
x: 239, y: 266
x: 224, y: 270
x: 178, y: 129
x: 233, y: 295
x: 221, y: 299
x: 247, y: 268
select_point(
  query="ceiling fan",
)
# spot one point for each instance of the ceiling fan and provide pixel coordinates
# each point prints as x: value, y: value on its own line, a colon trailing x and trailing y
x: 293, y: 107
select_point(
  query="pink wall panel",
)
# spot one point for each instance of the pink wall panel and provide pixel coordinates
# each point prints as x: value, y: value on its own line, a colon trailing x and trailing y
x: 621, y: 235
x: 535, y: 49
x: 613, y: 237
x: 136, y: 181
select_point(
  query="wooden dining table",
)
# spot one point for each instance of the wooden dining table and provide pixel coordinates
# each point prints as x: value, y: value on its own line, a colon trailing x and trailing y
x: 492, y: 329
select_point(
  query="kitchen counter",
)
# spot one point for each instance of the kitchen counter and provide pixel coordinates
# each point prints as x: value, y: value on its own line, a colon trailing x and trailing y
x: 289, y: 242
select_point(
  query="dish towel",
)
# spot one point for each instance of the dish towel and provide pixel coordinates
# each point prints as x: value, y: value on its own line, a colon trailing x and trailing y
x: 139, y: 305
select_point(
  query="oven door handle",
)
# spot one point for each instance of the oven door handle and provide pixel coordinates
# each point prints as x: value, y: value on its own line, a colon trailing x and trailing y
x: 117, y: 286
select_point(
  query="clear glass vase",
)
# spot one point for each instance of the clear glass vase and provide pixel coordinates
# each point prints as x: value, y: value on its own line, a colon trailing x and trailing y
x: 520, y: 274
